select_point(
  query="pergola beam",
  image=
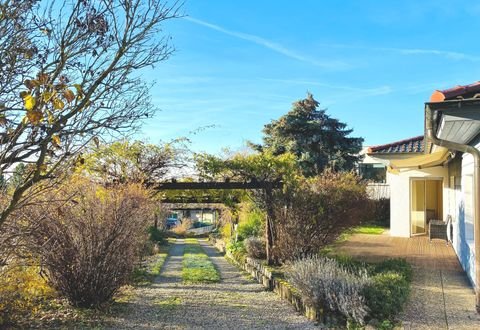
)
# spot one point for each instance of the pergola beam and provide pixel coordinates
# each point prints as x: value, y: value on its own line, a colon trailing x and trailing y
x: 217, y: 185
x: 190, y: 200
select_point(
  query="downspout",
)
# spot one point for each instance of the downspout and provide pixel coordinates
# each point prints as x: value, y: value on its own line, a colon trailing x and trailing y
x: 476, y: 190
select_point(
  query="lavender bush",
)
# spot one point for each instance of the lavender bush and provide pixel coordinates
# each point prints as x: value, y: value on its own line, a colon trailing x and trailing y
x: 325, y: 283
x: 255, y: 247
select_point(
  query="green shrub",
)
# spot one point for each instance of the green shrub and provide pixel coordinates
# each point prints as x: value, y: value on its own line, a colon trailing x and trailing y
x: 386, y: 325
x: 352, y: 265
x: 380, y: 209
x: 252, y: 226
x: 385, y: 295
x: 156, y: 235
x: 237, y: 249
x: 396, y: 265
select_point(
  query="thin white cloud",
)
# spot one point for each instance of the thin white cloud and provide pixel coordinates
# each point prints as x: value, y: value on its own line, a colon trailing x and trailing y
x: 325, y: 64
x: 381, y: 90
x: 452, y: 55
x: 442, y: 53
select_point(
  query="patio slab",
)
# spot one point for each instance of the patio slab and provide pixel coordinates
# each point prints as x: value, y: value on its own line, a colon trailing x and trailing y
x: 441, y: 295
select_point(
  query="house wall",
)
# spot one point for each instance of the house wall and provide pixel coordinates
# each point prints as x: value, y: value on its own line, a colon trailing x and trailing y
x: 460, y: 207
x: 457, y: 202
x: 400, y: 196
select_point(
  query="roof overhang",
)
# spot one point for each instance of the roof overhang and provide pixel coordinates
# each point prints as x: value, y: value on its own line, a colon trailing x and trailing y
x: 422, y: 161
x: 457, y: 120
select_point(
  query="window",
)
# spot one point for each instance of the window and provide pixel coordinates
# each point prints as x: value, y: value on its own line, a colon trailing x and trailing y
x: 376, y: 172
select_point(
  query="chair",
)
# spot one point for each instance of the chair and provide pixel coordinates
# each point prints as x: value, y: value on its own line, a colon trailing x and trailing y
x: 438, y: 229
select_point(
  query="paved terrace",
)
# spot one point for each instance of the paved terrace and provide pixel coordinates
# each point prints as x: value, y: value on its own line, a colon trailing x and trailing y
x: 441, y: 296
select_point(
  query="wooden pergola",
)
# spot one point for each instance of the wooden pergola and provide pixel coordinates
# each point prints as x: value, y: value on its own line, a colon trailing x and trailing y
x: 266, y: 186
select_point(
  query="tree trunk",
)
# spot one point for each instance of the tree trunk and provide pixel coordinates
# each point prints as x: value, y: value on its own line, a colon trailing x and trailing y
x: 268, y: 227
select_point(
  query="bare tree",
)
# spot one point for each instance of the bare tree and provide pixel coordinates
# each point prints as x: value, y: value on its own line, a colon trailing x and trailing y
x: 70, y: 73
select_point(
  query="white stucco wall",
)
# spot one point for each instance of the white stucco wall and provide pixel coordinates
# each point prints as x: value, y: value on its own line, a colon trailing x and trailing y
x: 462, y: 214
x: 400, y: 196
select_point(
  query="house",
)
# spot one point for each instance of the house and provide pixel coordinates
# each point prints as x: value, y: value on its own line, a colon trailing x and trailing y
x: 436, y: 175
x: 376, y: 159
x: 196, y: 213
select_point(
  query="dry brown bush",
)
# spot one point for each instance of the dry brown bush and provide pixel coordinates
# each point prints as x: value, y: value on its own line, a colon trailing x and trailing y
x: 89, y: 237
x: 315, y: 212
x: 183, y: 227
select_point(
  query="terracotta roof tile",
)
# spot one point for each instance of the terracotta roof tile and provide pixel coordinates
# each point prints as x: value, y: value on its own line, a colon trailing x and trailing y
x: 412, y: 145
x: 457, y: 92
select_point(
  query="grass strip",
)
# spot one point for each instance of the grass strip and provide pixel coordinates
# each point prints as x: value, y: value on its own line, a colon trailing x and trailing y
x: 369, y: 229
x: 197, y: 267
x: 145, y: 273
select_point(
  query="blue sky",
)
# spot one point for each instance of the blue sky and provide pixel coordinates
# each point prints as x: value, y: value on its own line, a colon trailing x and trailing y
x: 372, y: 64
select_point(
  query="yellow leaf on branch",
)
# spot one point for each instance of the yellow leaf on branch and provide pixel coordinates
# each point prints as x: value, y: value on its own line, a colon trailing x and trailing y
x: 28, y: 101
x: 47, y: 96
x: 58, y: 104
x: 51, y: 117
x: 56, y: 140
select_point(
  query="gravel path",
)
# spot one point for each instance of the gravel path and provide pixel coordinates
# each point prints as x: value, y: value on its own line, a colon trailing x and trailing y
x: 234, y: 302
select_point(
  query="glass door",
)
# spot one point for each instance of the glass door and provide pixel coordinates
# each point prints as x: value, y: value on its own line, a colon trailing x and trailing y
x: 418, y: 207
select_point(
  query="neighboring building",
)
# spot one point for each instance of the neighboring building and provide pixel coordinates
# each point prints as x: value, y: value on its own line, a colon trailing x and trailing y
x: 433, y: 176
x: 196, y: 214
x: 376, y: 160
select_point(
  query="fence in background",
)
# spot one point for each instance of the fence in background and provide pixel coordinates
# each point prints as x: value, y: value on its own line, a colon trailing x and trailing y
x: 378, y: 191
